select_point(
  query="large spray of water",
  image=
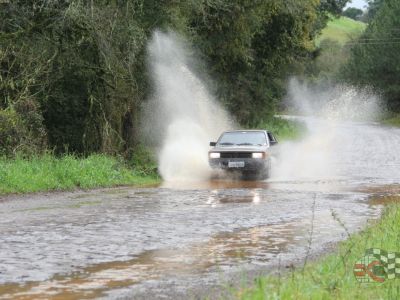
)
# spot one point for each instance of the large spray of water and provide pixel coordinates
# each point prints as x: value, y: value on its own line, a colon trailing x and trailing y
x: 331, y: 115
x: 182, y: 117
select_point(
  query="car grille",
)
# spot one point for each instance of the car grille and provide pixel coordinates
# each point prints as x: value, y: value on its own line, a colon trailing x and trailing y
x: 235, y: 154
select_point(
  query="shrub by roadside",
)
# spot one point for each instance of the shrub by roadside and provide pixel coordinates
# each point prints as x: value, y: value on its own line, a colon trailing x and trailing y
x: 143, y: 162
x: 21, y: 130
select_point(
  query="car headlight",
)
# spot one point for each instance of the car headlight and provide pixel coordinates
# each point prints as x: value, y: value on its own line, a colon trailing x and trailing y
x: 258, y: 155
x: 215, y: 155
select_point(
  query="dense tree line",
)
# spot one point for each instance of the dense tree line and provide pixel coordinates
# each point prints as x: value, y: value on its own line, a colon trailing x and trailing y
x: 353, y: 13
x: 375, y: 59
x: 73, y: 73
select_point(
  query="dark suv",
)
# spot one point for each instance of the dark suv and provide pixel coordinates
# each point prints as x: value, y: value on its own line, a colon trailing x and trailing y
x: 244, y: 151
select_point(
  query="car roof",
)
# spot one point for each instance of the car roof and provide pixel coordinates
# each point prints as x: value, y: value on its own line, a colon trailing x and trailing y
x: 245, y: 130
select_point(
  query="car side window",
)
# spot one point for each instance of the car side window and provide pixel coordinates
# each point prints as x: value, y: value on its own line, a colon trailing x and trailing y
x: 271, y: 137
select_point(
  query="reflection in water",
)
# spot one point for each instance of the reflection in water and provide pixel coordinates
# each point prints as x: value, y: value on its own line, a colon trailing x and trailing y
x: 254, y: 245
x: 244, y: 196
x: 217, y: 184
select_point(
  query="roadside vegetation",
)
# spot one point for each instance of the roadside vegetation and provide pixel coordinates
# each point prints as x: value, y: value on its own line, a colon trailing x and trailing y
x: 284, y: 129
x: 374, y: 59
x: 333, y: 49
x: 364, y: 55
x: 332, y: 276
x: 47, y: 172
x: 393, y: 120
x: 341, y: 30
x: 72, y: 83
x: 368, y: 56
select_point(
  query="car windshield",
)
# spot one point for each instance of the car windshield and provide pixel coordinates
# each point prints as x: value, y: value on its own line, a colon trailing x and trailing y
x: 242, y: 138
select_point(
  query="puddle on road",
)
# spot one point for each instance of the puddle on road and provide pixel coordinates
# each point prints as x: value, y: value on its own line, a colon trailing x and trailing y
x: 259, y: 244
x: 224, y: 251
x: 382, y: 195
x: 225, y: 184
x: 241, y: 196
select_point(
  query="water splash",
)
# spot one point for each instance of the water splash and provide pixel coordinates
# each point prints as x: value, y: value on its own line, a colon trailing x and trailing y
x: 341, y: 102
x: 331, y: 116
x: 182, y: 117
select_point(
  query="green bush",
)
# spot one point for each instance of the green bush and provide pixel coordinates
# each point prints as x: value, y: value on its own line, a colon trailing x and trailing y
x: 89, y: 77
x: 21, y: 130
x: 143, y: 161
x: 10, y: 130
x: 374, y: 59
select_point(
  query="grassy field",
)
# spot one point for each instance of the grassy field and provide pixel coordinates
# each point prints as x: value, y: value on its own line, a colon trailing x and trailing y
x: 332, y: 277
x: 46, y: 172
x: 341, y: 30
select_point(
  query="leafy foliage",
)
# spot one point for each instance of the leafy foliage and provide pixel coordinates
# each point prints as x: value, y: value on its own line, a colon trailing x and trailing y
x: 252, y: 47
x: 342, y: 30
x: 332, y: 51
x: 21, y: 130
x: 353, y: 13
x: 373, y: 7
x: 374, y: 58
x: 82, y: 64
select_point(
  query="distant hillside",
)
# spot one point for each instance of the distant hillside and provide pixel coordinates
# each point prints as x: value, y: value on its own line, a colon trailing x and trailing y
x: 341, y: 30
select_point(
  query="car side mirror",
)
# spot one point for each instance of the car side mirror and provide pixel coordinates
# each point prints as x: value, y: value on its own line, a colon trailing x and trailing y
x: 273, y: 143
x: 213, y: 144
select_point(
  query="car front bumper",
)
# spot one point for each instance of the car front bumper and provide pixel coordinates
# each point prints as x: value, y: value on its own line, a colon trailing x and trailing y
x: 249, y: 164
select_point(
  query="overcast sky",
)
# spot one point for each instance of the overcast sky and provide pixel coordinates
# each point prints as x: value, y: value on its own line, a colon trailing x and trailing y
x: 357, y: 3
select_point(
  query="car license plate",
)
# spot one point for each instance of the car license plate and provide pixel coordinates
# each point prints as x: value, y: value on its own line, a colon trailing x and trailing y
x: 236, y: 164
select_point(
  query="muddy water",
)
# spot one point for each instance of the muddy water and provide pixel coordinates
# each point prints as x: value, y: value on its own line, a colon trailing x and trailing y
x: 182, y: 240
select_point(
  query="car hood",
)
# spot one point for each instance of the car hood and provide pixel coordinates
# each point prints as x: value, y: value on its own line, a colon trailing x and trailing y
x: 240, y: 149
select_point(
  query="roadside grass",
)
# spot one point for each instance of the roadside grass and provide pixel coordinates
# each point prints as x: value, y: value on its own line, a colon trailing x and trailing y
x: 341, y: 30
x: 47, y: 172
x: 284, y: 129
x: 332, y: 277
x: 392, y: 121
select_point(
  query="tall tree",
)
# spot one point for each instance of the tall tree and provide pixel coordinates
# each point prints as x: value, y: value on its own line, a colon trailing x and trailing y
x: 375, y: 59
x: 81, y: 65
x: 353, y: 13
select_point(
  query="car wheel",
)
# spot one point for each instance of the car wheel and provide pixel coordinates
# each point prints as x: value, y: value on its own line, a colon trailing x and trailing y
x: 266, y: 173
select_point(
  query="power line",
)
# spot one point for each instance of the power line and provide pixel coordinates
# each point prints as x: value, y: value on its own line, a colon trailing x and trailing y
x: 379, y: 39
x: 372, y: 43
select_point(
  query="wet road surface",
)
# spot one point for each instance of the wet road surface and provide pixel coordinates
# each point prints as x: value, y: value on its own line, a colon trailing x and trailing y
x: 185, y: 239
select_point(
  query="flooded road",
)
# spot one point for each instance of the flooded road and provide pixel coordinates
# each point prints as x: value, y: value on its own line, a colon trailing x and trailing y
x: 180, y: 240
